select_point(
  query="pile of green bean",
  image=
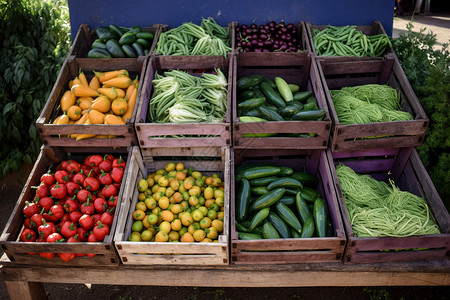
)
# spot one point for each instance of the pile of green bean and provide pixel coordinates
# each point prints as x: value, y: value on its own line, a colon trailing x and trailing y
x: 348, y: 41
x: 377, y: 209
x: 190, y: 39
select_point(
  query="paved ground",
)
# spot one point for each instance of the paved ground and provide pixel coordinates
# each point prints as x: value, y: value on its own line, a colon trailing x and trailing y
x: 439, y: 24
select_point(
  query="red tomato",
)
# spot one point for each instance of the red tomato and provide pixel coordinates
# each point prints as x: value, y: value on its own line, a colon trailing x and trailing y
x: 86, y: 222
x: 112, y: 201
x: 117, y: 174
x: 30, y: 209
x: 65, y: 218
x: 84, y: 195
x: 87, y: 208
x: 96, y: 218
x: 71, y: 205
x: 105, y: 165
x: 91, y: 184
x: 73, y: 167
x: 55, y: 213
x: 100, y: 205
x: 82, y: 234
x: 46, y: 203
x: 100, y: 231
x: 46, y: 229
x: 79, y: 178
x: 105, y: 178
x: 27, y: 222
x: 62, y: 176
x: 109, y: 191
x: 95, y: 160
x: 66, y: 256
x: 36, y: 220
x: 119, y: 162
x: 55, y: 238
x: 107, y: 218
x: 58, y: 190
x: 48, y: 179
x: 72, y: 188
x: 75, y: 216
x: 28, y: 235
x: 47, y: 255
x: 68, y: 229
x: 42, y: 190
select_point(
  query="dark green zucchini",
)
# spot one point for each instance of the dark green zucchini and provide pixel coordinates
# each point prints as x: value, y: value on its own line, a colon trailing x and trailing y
x: 269, y: 114
x: 114, y: 48
x: 258, y: 172
x: 243, y: 200
x: 269, y: 231
x: 272, y: 96
x: 302, y: 208
x: 288, y: 216
x: 249, y: 236
x: 249, y: 81
x: 305, y: 178
x: 264, y: 181
x: 319, y: 217
x: 302, y: 96
x: 267, y: 200
x: 258, y: 218
x: 279, y: 224
x: 251, y: 103
x: 285, y: 182
x: 308, y: 228
x: 309, y: 115
x: 98, y: 53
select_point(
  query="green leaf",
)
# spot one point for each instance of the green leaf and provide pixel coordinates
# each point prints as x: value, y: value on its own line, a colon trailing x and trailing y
x: 8, y: 107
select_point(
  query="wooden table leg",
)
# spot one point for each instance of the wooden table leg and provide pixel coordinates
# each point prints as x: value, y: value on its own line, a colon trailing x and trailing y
x: 22, y: 290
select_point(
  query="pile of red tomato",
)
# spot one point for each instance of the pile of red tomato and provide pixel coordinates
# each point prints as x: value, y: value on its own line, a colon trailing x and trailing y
x: 74, y: 204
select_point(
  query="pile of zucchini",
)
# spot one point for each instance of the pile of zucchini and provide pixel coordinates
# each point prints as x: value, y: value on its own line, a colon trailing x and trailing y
x: 275, y: 202
x: 262, y: 99
x: 121, y: 42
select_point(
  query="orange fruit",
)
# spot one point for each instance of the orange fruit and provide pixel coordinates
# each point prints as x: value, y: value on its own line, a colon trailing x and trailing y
x: 152, y: 219
x: 187, y: 219
x: 161, y: 236
x: 208, y: 193
x: 179, y: 166
x: 170, y: 166
x: 176, y: 225
x: 199, y: 235
x: 150, y: 202
x: 217, y: 224
x: 187, y: 238
x: 165, y: 226
x: 164, y: 202
x: 205, y: 222
x: 138, y: 214
x: 174, y: 236
x: 211, y: 233
x: 167, y: 215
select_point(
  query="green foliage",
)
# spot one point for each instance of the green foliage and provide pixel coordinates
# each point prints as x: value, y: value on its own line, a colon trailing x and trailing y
x: 377, y: 293
x: 428, y: 71
x: 35, y: 36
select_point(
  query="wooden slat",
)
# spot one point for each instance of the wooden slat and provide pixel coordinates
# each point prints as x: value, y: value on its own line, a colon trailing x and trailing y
x: 25, y: 290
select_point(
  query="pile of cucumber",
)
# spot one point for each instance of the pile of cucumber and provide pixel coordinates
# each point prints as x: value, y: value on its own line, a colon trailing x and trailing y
x: 275, y: 202
x: 121, y: 42
x: 275, y: 100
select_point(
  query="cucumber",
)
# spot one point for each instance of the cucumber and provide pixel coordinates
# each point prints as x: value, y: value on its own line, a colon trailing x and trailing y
x: 310, y: 106
x: 138, y: 48
x: 271, y: 95
x: 287, y: 200
x: 309, y: 115
x: 98, y: 44
x: 259, y: 190
x: 257, y: 91
x: 116, y: 29
x: 249, y: 236
x: 258, y: 172
x: 279, y: 225
x: 294, y: 88
x: 284, y: 89
x: 319, y: 217
x: 136, y: 29
x: 251, y: 103
x: 258, y: 230
x: 264, y: 181
x: 128, y: 38
x: 98, y: 53
x: 148, y: 35
x: 309, y: 194
x: 308, y: 228
x: 288, y: 216
x: 249, y: 81
x: 270, y: 82
x: 311, y: 99
x: 291, y: 192
x: 269, y: 114
x: 289, y: 111
x: 285, y: 171
x: 305, y: 178
x: 114, y: 48
x: 249, y: 113
x: 129, y: 51
x: 269, y: 232
x: 243, y: 200
x: 253, y: 165
x: 144, y: 43
x: 294, y: 233
x: 240, y: 227
x: 248, y: 94
x: 258, y: 218
x: 302, y: 96
x: 105, y: 34
x: 267, y: 200
x: 285, y: 182
x: 302, y: 208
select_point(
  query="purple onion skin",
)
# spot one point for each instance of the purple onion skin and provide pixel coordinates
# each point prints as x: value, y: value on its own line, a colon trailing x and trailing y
x: 244, y: 26
x: 263, y: 36
x: 257, y: 50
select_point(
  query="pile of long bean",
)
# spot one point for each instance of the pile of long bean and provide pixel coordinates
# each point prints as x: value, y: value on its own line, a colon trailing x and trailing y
x: 179, y: 97
x: 190, y: 39
x: 377, y: 209
x: 348, y: 41
x: 368, y: 103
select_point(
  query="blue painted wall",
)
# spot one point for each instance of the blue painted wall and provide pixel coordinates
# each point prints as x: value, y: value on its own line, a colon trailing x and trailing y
x: 175, y: 12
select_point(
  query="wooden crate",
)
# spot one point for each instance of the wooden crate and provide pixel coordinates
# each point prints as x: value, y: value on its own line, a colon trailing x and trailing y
x: 405, y: 168
x: 292, y: 250
x: 153, y: 135
x: 301, y: 36
x: 373, y: 29
x: 215, y: 160
x: 85, y: 37
x: 56, y: 135
x: 17, y: 251
x: 343, y: 73
x: 297, y: 68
